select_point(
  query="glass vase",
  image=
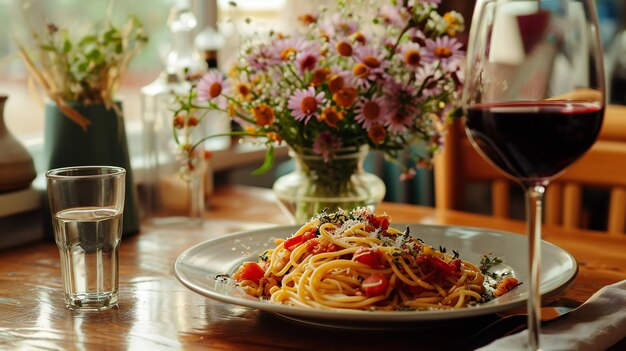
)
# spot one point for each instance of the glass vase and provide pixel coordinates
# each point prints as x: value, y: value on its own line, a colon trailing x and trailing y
x: 339, y: 182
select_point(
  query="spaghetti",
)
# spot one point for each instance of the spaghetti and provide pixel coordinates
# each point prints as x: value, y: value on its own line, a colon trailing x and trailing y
x: 357, y: 261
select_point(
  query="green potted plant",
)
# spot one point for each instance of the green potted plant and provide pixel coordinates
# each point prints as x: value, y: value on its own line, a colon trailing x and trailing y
x: 80, y: 74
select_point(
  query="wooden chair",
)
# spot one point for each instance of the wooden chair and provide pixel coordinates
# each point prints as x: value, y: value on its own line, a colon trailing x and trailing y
x: 603, y: 167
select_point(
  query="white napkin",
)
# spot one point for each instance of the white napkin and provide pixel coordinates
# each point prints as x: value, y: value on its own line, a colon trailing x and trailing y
x: 596, y: 325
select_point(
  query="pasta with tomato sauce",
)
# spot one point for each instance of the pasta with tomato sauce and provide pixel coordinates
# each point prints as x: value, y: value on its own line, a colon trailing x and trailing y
x: 357, y: 261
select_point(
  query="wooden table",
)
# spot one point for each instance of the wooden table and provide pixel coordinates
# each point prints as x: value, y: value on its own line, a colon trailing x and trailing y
x: 157, y: 312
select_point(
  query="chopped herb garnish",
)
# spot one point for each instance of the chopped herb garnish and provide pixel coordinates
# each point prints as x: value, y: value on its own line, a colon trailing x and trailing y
x: 264, y: 256
x: 486, y: 263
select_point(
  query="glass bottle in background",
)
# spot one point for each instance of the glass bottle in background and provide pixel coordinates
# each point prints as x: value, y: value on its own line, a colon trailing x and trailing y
x: 171, y: 193
x: 209, y: 42
x: 616, y: 55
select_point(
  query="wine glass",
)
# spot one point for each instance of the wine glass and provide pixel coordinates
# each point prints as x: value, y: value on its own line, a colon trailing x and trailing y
x: 534, y: 100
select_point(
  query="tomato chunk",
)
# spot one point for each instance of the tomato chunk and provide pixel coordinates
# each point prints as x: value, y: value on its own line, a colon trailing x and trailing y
x: 505, y: 285
x: 375, y: 285
x: 370, y: 257
x: 249, y: 271
x: 295, y: 241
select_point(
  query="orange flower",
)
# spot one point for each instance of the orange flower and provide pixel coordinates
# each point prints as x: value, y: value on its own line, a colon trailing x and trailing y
x: 250, y: 129
x: 377, y: 134
x: 263, y: 114
x: 344, y: 48
x: 192, y: 121
x: 345, y: 97
x: 331, y: 116
x: 307, y: 19
x: 273, y: 136
x: 179, y: 121
x: 320, y: 75
x: 335, y: 83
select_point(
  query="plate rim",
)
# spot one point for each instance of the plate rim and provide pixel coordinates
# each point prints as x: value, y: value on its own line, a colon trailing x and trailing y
x: 303, y: 314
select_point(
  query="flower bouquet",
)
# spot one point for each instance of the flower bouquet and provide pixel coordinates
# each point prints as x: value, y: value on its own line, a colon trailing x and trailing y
x: 358, y: 76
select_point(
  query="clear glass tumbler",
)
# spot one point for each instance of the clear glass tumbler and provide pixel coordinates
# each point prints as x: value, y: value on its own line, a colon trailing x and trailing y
x: 87, y: 205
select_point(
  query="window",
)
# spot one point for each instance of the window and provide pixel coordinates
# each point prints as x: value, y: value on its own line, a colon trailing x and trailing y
x: 24, y: 108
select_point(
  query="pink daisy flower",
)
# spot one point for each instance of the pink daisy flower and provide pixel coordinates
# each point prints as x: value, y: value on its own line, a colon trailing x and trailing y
x: 371, y: 64
x: 412, y: 54
x: 431, y: 78
x: 212, y: 86
x: 304, y: 104
x: 308, y: 58
x: 339, y: 25
x: 326, y: 144
x: 393, y: 15
x: 401, y: 103
x: 286, y: 49
x: 259, y: 58
x: 371, y: 111
x: 445, y: 50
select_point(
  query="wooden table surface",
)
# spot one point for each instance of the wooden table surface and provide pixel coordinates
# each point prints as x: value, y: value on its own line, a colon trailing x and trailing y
x: 157, y: 312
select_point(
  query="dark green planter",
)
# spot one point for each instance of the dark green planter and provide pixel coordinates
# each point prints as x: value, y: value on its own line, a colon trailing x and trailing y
x: 103, y: 144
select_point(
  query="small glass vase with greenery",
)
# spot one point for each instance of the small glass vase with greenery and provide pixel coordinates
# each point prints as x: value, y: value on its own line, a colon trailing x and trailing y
x: 80, y: 73
x: 84, y: 69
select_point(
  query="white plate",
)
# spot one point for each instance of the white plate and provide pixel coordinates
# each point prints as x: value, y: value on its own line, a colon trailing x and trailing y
x: 198, y: 266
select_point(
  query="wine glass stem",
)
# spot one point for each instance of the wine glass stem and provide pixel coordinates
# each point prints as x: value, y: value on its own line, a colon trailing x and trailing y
x: 534, y: 202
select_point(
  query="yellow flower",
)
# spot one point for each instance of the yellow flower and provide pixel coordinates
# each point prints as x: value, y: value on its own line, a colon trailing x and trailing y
x: 244, y: 90
x: 455, y: 23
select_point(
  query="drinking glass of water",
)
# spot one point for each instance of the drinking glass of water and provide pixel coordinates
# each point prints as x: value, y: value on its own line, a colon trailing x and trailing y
x: 86, y: 205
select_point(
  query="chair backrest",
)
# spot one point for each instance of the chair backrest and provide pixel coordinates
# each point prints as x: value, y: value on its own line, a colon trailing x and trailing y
x: 603, y: 168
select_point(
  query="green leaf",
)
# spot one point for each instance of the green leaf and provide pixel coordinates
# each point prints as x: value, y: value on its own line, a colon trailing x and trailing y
x: 82, y: 67
x: 48, y: 47
x: 87, y: 40
x: 94, y: 55
x: 267, y: 163
x: 67, y: 46
x: 111, y: 35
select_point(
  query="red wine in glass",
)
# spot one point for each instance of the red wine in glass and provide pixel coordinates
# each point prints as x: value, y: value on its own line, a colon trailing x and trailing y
x: 534, y: 140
